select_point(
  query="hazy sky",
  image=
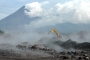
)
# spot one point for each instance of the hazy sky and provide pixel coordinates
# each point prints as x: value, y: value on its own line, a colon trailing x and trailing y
x: 7, y: 7
x: 52, y: 12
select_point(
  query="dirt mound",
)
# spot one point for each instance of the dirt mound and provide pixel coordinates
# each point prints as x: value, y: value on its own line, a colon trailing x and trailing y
x: 72, y: 44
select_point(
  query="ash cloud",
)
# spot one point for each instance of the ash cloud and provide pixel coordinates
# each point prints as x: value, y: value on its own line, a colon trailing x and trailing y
x: 75, y: 11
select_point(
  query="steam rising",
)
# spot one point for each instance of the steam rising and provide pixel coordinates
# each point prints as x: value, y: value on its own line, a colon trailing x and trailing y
x: 16, y: 38
x: 42, y: 38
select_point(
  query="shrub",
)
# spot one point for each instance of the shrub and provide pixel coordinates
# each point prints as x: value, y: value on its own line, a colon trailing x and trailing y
x: 1, y: 32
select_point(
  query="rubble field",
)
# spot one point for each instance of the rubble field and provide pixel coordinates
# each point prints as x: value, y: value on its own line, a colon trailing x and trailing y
x: 38, y: 52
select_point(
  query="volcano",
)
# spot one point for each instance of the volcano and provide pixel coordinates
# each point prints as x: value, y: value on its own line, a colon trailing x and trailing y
x: 17, y: 21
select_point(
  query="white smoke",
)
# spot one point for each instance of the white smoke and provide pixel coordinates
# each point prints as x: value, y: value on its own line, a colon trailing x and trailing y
x: 82, y: 36
x: 75, y: 11
x: 16, y: 38
x: 34, y: 9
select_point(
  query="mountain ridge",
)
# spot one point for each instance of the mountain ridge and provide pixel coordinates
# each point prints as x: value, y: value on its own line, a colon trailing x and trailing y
x: 18, y: 19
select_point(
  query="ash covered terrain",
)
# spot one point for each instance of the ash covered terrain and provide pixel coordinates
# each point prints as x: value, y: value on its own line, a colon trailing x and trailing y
x: 24, y: 33
x: 24, y: 46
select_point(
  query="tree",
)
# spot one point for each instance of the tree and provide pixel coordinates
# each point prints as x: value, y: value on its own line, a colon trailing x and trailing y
x: 1, y: 32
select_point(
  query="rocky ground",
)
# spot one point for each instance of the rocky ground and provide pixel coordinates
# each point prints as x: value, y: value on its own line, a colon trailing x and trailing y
x: 39, y: 52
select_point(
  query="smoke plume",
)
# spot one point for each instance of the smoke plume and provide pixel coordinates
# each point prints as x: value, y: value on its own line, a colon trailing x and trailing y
x: 75, y: 11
